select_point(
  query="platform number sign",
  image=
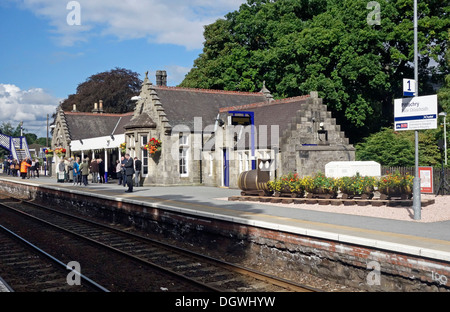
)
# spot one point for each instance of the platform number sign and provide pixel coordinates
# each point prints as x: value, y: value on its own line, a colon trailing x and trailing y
x: 409, y: 87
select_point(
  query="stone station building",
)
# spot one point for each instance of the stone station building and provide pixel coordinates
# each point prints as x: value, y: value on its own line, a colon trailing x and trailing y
x: 208, y: 136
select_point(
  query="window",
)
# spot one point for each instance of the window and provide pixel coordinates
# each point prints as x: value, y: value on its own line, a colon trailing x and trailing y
x: 144, y: 157
x: 183, y: 154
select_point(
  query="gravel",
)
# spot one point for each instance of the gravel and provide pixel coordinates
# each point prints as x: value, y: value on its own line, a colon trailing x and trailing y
x: 439, y: 211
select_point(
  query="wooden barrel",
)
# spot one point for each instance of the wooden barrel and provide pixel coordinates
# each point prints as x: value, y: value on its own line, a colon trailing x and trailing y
x: 254, y: 181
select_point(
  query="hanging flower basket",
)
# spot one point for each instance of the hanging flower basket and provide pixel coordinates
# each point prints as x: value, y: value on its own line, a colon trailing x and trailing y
x: 49, y: 153
x: 123, y: 147
x: 60, y: 152
x: 153, y: 147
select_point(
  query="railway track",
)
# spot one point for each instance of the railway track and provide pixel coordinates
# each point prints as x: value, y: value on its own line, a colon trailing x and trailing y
x: 203, y: 271
x: 29, y: 268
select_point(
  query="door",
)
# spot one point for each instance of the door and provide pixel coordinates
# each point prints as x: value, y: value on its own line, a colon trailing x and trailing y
x: 226, y: 168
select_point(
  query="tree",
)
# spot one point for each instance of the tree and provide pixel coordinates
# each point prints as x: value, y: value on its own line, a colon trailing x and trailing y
x: 298, y: 46
x: 396, y: 149
x: 115, y: 88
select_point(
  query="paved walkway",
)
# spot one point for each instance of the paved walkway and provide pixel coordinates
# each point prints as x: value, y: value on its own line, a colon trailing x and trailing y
x: 424, y: 239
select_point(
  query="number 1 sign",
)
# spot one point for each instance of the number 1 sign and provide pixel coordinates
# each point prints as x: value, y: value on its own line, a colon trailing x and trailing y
x: 409, y: 87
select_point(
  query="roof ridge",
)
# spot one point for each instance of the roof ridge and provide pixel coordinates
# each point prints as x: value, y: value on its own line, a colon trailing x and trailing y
x: 265, y: 104
x: 97, y: 114
x: 216, y: 91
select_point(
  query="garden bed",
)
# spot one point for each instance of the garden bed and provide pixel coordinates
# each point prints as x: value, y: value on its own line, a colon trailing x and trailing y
x: 332, y: 201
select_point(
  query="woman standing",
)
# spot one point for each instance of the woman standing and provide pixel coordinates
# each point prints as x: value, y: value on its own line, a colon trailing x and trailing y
x: 84, y: 169
x: 76, y: 171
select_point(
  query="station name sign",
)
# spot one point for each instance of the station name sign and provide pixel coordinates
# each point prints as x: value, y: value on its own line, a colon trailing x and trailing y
x: 417, y: 113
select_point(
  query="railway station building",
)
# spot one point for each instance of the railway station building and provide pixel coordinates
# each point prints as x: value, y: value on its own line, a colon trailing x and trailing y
x: 207, y: 137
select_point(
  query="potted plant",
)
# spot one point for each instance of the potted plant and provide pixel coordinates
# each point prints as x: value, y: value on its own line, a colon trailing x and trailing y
x: 395, y: 185
x: 287, y: 185
x: 358, y: 186
x: 321, y: 186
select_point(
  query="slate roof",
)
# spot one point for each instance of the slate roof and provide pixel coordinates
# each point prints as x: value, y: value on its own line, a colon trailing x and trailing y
x: 279, y: 112
x: 183, y: 104
x: 89, y: 125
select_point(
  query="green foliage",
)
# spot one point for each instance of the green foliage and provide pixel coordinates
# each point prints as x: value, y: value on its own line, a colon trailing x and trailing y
x: 298, y: 46
x: 115, y: 88
x: 392, y: 149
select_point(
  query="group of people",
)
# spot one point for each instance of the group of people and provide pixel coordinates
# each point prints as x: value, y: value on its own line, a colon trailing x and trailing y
x: 68, y: 170
x: 126, y: 168
x: 128, y: 171
x: 25, y: 168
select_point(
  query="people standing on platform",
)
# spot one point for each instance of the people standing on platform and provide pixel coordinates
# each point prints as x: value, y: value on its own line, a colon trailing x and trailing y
x: 137, y: 169
x: 5, y: 166
x: 30, y: 162
x: 61, y: 171
x: 119, y: 171
x: 94, y: 170
x: 129, y: 171
x: 32, y: 169
x: 70, y: 169
x: 84, y: 169
x: 13, y: 167
x: 101, y: 170
x: 37, y: 167
x: 24, y: 165
x: 124, y: 176
x: 76, y: 172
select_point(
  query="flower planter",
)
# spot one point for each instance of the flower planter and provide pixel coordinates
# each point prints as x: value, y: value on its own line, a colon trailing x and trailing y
x: 289, y: 194
x: 321, y: 193
x: 395, y: 192
x: 366, y: 193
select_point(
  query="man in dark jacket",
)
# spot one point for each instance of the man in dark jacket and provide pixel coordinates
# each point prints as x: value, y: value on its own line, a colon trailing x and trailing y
x: 129, y: 171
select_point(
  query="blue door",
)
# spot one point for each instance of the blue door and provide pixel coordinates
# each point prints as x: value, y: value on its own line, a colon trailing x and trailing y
x: 226, y: 168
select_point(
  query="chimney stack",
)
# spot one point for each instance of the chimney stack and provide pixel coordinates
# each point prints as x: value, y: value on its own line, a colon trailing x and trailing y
x: 100, y: 110
x: 74, y: 109
x: 95, y: 110
x: 161, y: 78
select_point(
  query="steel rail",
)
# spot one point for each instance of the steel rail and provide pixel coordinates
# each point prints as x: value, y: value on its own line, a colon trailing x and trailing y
x: 57, y: 261
x: 118, y: 251
x: 290, y: 285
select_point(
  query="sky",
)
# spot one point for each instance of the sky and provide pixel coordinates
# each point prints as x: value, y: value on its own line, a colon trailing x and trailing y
x: 49, y: 47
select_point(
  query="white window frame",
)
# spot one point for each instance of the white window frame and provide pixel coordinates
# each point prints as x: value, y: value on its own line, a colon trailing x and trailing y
x: 183, y: 154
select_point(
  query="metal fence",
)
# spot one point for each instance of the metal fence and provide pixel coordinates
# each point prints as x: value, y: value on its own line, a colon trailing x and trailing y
x: 437, y: 172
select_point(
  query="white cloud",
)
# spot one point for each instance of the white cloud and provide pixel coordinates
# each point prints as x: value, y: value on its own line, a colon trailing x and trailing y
x: 30, y: 106
x: 177, y: 22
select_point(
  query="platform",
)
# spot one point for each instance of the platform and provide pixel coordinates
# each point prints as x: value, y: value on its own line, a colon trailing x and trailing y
x: 431, y: 239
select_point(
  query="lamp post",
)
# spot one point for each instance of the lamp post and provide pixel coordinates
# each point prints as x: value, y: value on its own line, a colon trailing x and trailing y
x: 445, y: 136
